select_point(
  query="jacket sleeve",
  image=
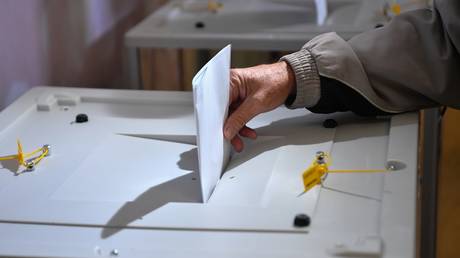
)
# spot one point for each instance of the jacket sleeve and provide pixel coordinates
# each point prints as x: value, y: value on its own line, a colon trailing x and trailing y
x: 409, y: 64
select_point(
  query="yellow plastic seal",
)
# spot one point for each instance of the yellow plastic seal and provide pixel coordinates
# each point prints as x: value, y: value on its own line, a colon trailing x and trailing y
x: 315, y: 173
x: 318, y: 170
x: 396, y: 8
x: 24, y: 159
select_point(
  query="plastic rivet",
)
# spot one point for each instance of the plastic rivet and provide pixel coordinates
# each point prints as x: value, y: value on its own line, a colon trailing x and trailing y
x: 302, y: 220
x: 199, y: 25
x: 115, y: 252
x: 330, y: 123
x: 81, y: 118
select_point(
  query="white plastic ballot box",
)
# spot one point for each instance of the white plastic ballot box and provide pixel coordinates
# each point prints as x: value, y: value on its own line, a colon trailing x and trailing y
x: 126, y: 183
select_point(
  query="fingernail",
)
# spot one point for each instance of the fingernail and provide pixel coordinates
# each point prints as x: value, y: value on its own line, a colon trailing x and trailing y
x: 227, y: 132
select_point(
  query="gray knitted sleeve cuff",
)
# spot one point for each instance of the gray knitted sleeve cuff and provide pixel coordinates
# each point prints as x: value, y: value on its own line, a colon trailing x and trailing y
x: 307, y: 79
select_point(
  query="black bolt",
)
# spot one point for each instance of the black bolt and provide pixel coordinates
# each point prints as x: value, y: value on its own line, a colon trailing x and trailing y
x: 302, y: 220
x: 378, y: 25
x: 199, y: 25
x: 81, y: 118
x: 330, y: 123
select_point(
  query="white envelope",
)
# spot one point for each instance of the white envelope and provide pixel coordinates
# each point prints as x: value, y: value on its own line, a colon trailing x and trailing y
x: 211, y: 89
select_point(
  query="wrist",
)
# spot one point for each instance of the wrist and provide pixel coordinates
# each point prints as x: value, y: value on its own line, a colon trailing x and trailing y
x: 307, y: 79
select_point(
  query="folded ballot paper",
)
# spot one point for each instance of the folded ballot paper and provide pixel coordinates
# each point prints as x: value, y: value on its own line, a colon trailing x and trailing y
x: 211, y: 86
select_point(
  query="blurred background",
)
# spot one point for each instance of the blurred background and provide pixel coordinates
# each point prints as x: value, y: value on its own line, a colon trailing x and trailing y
x: 80, y: 44
x: 66, y: 43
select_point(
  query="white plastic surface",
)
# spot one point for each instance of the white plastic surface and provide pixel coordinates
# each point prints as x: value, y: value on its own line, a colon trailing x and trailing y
x: 127, y: 180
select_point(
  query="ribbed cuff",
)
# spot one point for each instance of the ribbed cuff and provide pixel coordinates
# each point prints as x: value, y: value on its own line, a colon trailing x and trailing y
x: 307, y: 79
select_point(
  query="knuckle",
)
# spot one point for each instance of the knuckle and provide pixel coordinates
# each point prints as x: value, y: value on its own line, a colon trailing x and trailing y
x: 259, y: 100
x: 239, y: 121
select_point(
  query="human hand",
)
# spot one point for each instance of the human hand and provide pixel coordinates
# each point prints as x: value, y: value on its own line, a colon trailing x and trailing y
x: 255, y: 90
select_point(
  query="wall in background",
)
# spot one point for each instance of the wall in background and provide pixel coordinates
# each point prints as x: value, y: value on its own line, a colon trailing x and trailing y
x: 64, y: 43
x: 23, y: 59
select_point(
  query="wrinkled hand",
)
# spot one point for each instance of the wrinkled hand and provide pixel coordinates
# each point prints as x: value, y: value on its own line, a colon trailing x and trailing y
x: 255, y: 90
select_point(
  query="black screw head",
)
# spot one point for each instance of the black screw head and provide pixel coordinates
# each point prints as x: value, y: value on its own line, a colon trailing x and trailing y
x: 199, y: 25
x: 81, y: 118
x: 330, y: 123
x: 302, y: 220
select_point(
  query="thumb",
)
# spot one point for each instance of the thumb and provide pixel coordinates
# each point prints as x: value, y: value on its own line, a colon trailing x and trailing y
x: 238, y: 119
